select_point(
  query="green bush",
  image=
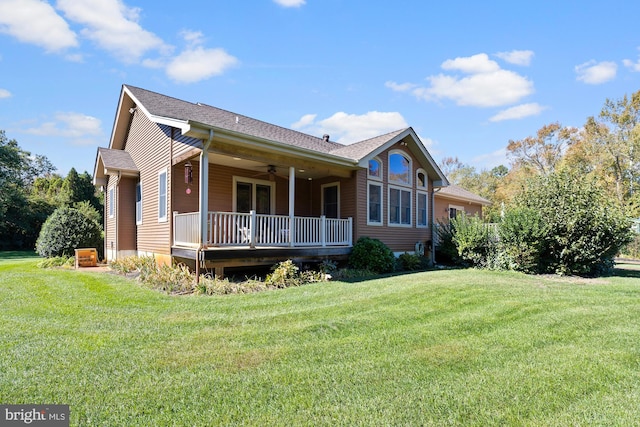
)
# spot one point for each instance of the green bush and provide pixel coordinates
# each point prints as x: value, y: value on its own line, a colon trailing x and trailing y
x: 372, y: 254
x: 446, y: 251
x: 65, y: 230
x: 410, y: 262
x: 521, y: 239
x: 472, y: 238
x: 583, y: 227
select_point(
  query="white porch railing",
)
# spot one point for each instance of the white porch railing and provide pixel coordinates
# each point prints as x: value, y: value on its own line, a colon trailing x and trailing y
x: 258, y: 230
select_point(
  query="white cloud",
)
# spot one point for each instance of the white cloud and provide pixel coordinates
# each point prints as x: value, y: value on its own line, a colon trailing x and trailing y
x: 195, y: 64
x: 635, y: 66
x: 304, y: 121
x: 594, y: 73
x: 349, y: 128
x: 404, y: 87
x: 487, y: 85
x: 518, y: 112
x: 4, y: 93
x: 36, y: 22
x: 113, y: 26
x: 517, y: 57
x: 78, y: 127
x: 290, y: 3
x: 475, y: 64
x: 490, y: 160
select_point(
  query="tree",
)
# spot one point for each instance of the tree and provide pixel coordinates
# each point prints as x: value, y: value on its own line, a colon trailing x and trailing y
x: 583, y: 228
x: 542, y: 153
x: 66, y: 230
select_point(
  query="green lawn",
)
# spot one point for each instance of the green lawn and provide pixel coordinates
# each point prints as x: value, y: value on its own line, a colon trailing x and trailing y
x: 457, y: 347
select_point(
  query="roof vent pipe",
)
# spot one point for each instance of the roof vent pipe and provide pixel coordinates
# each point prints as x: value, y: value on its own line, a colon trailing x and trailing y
x: 325, y: 137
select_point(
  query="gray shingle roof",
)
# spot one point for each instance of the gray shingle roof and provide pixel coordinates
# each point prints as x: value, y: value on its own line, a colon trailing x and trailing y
x: 455, y: 191
x: 166, y: 106
x: 117, y: 160
x: 360, y: 149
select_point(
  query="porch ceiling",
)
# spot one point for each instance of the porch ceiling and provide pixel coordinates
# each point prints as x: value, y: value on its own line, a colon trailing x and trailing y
x: 261, y: 166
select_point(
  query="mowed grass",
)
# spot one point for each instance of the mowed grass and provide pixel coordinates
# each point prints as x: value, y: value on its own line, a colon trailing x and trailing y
x: 456, y: 347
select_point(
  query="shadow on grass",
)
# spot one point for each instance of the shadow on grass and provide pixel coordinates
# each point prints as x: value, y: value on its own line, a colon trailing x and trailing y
x: 627, y: 270
x: 13, y: 255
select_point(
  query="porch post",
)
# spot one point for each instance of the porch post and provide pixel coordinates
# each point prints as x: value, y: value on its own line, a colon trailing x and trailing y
x: 292, y: 198
x: 203, y: 206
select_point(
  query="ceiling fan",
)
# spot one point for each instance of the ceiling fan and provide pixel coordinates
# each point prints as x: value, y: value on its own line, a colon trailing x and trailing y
x: 272, y: 173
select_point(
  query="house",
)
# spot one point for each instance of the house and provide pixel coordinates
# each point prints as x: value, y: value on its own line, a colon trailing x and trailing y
x: 453, y: 199
x: 191, y: 182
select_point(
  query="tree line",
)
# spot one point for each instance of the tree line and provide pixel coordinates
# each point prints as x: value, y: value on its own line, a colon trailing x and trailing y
x: 605, y: 149
x: 32, y: 191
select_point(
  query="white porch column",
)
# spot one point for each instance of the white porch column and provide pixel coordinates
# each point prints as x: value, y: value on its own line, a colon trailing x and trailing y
x: 292, y: 198
x: 203, y: 204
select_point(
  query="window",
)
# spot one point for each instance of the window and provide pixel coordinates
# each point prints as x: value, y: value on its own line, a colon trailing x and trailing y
x: 331, y: 200
x: 375, y: 169
x: 138, y: 203
x: 399, y: 168
x: 399, y: 206
x: 422, y: 214
x: 162, y: 196
x: 455, y: 210
x: 421, y: 179
x: 111, y: 202
x: 253, y: 194
x: 374, y: 200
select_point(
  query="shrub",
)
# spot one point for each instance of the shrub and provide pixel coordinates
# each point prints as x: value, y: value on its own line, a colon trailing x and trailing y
x: 410, y: 262
x: 372, y: 254
x: 58, y: 261
x: 583, y: 229
x: 283, y: 274
x: 521, y: 237
x: 446, y: 251
x: 67, y: 229
x: 472, y: 239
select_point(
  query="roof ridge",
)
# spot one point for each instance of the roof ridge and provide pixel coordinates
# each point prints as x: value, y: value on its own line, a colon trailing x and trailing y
x: 334, y: 144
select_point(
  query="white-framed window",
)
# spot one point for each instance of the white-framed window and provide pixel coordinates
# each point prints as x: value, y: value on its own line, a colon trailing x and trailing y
x: 331, y: 200
x: 422, y: 209
x: 399, y: 206
x: 455, y: 210
x: 375, y: 169
x: 253, y: 194
x: 421, y: 179
x: 374, y: 203
x: 162, y: 196
x: 399, y: 168
x: 138, y: 203
x: 111, y: 201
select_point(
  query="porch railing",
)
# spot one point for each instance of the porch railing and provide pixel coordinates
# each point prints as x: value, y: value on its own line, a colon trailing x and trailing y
x: 258, y: 230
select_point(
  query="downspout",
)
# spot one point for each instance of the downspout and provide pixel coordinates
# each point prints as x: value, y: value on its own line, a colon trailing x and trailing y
x: 292, y: 197
x: 116, y: 203
x: 203, y: 199
x: 433, y: 214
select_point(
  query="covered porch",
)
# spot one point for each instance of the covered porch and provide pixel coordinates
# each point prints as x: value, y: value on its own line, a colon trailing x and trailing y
x: 252, y: 230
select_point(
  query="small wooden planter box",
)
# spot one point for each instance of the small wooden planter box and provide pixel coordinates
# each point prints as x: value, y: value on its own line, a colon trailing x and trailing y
x: 86, y: 257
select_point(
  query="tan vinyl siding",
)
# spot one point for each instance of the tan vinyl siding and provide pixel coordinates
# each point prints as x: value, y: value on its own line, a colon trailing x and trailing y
x: 183, y: 146
x: 127, y: 214
x: 442, y: 208
x: 399, y: 239
x: 149, y: 146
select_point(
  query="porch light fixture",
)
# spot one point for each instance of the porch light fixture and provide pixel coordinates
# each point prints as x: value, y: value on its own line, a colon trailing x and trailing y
x: 188, y: 173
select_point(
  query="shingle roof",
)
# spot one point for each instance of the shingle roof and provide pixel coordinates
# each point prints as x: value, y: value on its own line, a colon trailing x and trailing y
x: 360, y: 149
x: 117, y: 160
x: 457, y: 192
x: 166, y: 106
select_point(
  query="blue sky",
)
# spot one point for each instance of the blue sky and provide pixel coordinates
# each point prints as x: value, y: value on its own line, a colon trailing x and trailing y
x: 467, y: 76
